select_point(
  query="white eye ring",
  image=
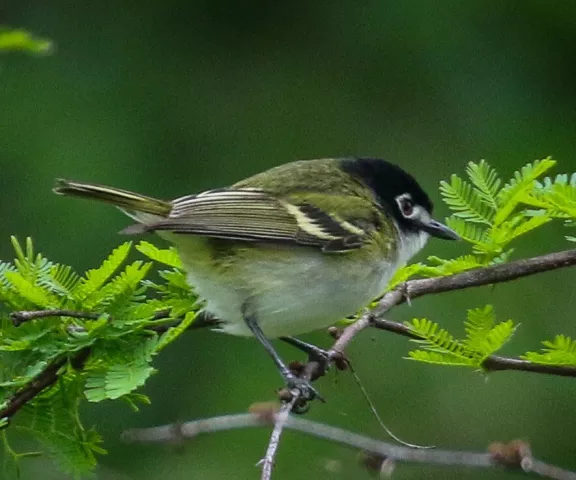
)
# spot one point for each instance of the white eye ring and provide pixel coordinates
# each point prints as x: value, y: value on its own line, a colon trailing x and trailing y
x: 406, y: 205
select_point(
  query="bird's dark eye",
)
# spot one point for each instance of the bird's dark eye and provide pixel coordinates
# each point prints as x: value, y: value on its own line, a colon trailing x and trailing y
x: 407, y: 207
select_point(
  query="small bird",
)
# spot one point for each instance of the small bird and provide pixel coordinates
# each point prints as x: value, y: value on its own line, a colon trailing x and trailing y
x: 292, y: 249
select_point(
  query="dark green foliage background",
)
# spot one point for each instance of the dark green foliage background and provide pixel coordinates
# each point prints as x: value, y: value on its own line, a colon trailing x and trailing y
x: 173, y: 97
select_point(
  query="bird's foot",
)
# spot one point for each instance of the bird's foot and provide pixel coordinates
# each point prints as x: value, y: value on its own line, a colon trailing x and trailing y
x: 307, y: 391
x: 301, y: 387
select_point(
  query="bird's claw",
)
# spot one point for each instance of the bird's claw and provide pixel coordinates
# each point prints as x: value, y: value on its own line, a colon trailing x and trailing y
x: 307, y: 391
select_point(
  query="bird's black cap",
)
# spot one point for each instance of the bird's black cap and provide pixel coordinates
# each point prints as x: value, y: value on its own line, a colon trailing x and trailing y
x: 387, y: 181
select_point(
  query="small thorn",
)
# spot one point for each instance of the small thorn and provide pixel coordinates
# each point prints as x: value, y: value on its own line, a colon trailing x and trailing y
x: 406, y: 294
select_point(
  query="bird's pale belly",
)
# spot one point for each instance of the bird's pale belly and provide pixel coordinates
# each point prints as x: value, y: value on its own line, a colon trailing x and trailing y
x: 290, y: 292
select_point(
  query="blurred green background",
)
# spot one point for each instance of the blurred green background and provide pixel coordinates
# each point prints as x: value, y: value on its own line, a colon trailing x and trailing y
x: 173, y: 97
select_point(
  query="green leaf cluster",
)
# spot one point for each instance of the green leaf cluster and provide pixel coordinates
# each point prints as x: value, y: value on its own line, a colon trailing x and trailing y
x: 54, y: 420
x: 483, y: 337
x: 560, y: 351
x: 490, y: 213
x: 20, y: 40
x: 123, y: 318
x: 555, y: 198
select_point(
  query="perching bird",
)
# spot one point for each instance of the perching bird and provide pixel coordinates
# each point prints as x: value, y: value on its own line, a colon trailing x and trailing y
x: 292, y: 249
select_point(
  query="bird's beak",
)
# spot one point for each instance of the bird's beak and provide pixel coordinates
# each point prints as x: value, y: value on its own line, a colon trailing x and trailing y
x: 437, y: 229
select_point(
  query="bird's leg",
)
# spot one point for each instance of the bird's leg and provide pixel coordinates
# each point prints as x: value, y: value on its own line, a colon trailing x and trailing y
x: 324, y: 358
x: 314, y: 353
x: 307, y: 391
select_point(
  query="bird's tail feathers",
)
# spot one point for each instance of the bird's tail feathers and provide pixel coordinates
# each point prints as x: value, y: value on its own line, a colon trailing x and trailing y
x: 139, y: 207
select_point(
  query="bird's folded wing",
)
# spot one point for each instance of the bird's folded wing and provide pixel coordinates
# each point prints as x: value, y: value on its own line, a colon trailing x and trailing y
x: 256, y: 216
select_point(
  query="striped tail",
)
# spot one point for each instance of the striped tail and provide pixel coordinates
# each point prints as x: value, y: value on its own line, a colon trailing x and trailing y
x: 132, y: 203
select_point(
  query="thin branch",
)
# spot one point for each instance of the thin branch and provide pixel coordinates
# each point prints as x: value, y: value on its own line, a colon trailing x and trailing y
x: 43, y: 380
x: 515, y: 455
x: 23, y: 316
x: 501, y: 273
x: 395, y: 327
x: 280, y: 422
x: 18, y: 318
x: 496, y: 363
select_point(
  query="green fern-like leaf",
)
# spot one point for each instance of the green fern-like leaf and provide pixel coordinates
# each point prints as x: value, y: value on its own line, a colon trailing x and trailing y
x: 31, y: 266
x: 62, y: 280
x: 527, y: 224
x: 174, y: 332
x: 561, y: 183
x: 438, y: 358
x: 54, y: 420
x: 518, y: 224
x: 33, y: 336
x: 487, y: 182
x: 498, y: 336
x: 466, y: 201
x: 175, y: 281
x: 440, y: 267
x: 4, y: 268
x: 178, y: 307
x: 119, y: 380
x: 24, y: 256
x: 96, y: 278
x: 483, y: 335
x: 167, y: 256
x: 560, y: 351
x: 19, y: 40
x: 32, y: 371
x: 31, y: 292
x: 502, y: 257
x: 557, y: 196
x: 121, y: 288
x: 403, y: 274
x: 7, y: 294
x: 522, y: 183
x: 471, y: 232
x: 437, y: 340
x: 134, y: 400
x: 122, y: 373
x: 479, y: 322
x: 489, y: 216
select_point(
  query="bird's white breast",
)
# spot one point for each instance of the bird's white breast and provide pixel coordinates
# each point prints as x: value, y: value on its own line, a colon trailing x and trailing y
x: 291, y: 290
